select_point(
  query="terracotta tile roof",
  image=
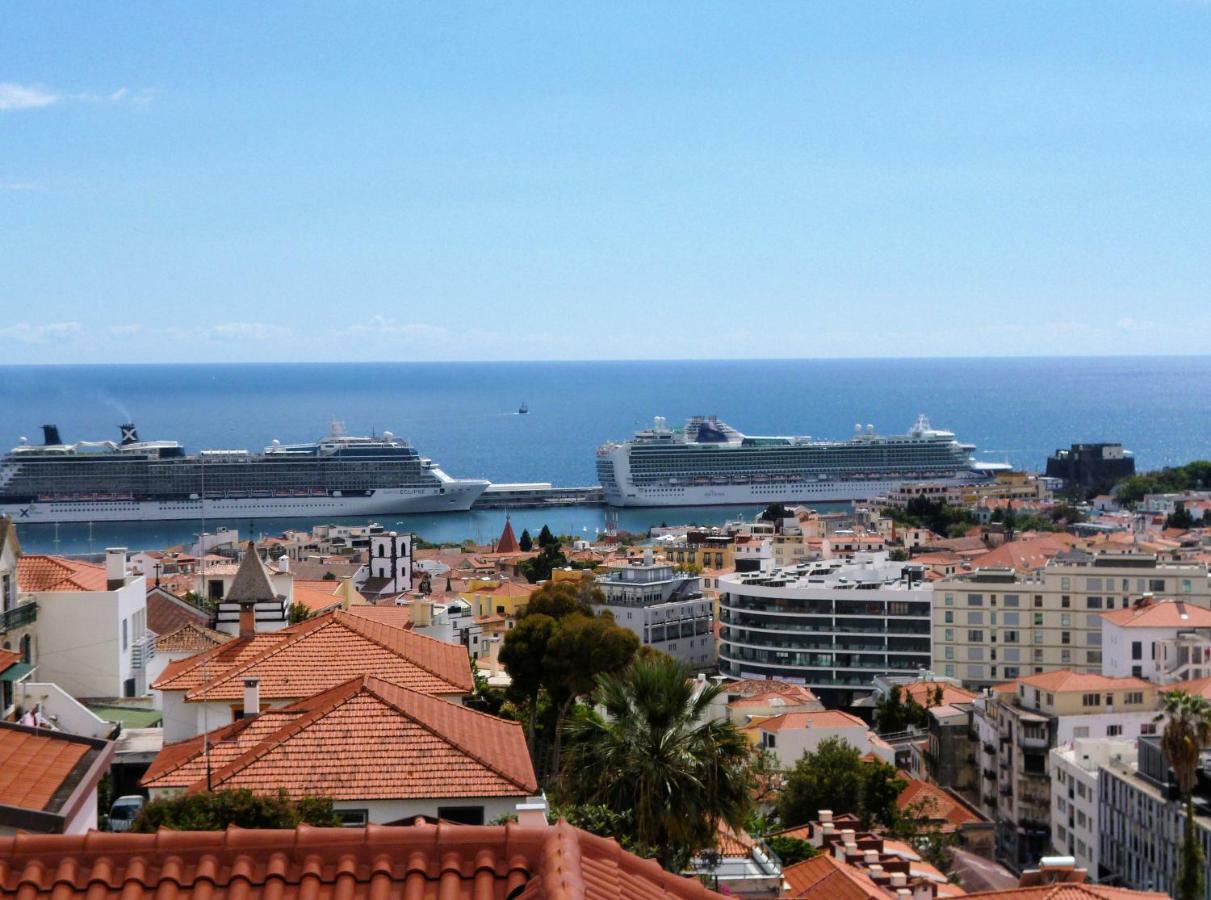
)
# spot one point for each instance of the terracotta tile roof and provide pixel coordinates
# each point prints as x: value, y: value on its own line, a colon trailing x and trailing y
x: 1069, y: 892
x: 922, y: 692
x: 9, y: 658
x: 166, y: 613
x: 317, y: 596
x: 319, y: 654
x: 1161, y: 614
x: 366, y: 739
x: 508, y: 540
x: 191, y: 638
x: 748, y: 687
x: 824, y: 877
x: 1200, y: 686
x: 54, y: 573
x: 35, y: 766
x: 508, y: 589
x: 936, y: 804
x: 1025, y: 555
x: 1068, y: 680
x: 446, y: 861
x: 829, y: 718
x: 394, y: 615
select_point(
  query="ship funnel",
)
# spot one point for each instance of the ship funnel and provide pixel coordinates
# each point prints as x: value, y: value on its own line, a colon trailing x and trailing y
x: 129, y: 435
x: 50, y: 435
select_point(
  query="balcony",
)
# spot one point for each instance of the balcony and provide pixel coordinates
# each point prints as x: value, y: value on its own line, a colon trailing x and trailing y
x: 18, y: 616
x: 1033, y: 742
x: 990, y: 774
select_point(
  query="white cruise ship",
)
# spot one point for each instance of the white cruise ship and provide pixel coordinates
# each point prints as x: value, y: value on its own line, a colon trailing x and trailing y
x: 136, y: 480
x: 708, y: 463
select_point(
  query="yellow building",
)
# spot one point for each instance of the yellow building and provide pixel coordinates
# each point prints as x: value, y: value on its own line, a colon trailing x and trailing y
x: 491, y: 597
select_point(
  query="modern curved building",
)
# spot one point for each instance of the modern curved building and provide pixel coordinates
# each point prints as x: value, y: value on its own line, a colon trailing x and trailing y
x: 832, y: 625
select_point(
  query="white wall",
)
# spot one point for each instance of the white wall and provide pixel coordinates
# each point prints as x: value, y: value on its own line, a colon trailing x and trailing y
x: 1069, y: 728
x: 792, y: 743
x: 64, y: 710
x: 1116, y: 649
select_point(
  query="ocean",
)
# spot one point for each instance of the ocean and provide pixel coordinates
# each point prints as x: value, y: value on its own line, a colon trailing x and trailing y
x: 465, y: 416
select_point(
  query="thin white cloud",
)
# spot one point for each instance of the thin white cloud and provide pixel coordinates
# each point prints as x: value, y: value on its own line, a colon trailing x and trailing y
x: 381, y: 326
x: 15, y: 96
x: 19, y: 96
x: 19, y: 186
x: 241, y: 331
x: 125, y: 330
x: 27, y: 333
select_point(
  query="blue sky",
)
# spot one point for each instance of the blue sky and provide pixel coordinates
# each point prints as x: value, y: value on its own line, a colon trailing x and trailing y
x: 295, y: 181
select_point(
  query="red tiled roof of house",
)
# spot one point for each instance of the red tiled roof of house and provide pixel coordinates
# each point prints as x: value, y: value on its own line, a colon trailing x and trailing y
x: 1068, y: 680
x: 35, y: 765
x: 316, y: 596
x: 54, y: 573
x: 366, y: 739
x: 936, y: 804
x: 1025, y: 555
x: 508, y: 589
x: 191, y: 638
x: 1069, y: 892
x: 1200, y: 686
x: 446, y: 861
x: 9, y: 658
x: 824, y: 877
x: 394, y: 614
x: 167, y: 612
x: 748, y: 687
x: 1161, y: 614
x: 829, y: 718
x: 922, y: 692
x: 318, y: 654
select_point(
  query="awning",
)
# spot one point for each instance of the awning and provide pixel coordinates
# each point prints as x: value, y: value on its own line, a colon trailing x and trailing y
x: 16, y: 671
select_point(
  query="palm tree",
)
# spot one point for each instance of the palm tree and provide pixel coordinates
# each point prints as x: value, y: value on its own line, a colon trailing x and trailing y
x: 1187, y: 731
x: 659, y: 760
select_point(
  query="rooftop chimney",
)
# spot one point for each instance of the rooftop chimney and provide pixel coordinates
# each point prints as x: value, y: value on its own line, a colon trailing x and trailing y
x: 247, y: 618
x: 252, y: 697
x: 870, y: 856
x: 826, y: 815
x: 898, y: 879
x: 115, y: 568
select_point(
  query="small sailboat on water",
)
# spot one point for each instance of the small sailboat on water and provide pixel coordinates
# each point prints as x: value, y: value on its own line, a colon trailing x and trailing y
x: 523, y: 409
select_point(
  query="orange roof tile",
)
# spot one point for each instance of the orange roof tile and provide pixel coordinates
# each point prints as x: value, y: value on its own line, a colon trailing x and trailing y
x: 1161, y: 614
x: 35, y: 765
x: 747, y: 687
x: 824, y: 877
x: 9, y: 658
x: 166, y: 612
x: 936, y: 804
x: 1069, y: 892
x: 191, y: 638
x: 394, y: 615
x: 1025, y: 555
x: 455, y: 862
x: 1200, y: 686
x: 508, y: 540
x: 922, y: 692
x: 365, y: 739
x: 829, y: 718
x: 318, y: 654
x: 1067, y: 680
x: 317, y: 596
x: 54, y: 573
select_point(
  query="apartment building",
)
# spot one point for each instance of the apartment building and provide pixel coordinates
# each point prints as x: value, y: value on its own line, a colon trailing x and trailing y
x: 998, y: 623
x: 1019, y: 723
x: 1142, y: 820
x: 666, y: 609
x: 1075, y: 815
x: 832, y: 625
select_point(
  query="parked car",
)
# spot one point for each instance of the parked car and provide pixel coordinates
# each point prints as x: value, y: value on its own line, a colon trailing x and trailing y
x: 124, y: 811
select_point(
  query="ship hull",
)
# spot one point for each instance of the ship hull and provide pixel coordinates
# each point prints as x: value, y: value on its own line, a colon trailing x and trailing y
x: 771, y: 492
x: 452, y: 496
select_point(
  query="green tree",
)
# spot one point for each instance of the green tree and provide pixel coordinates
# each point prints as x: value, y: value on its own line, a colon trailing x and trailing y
x: 895, y: 712
x: 657, y: 758
x: 1180, y: 518
x: 1186, y: 733
x: 523, y: 654
x: 298, y: 613
x: 791, y: 850
x: 920, y: 825
x: 546, y: 539
x: 214, y: 811
x: 835, y: 777
x: 525, y: 542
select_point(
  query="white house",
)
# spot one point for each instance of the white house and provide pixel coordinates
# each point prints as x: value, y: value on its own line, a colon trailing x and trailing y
x: 1160, y: 640
x: 1075, y: 820
x: 90, y: 636
x: 789, y: 735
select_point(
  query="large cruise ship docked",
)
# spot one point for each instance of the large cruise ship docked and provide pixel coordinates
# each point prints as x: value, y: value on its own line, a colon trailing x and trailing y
x: 708, y: 463
x: 339, y: 475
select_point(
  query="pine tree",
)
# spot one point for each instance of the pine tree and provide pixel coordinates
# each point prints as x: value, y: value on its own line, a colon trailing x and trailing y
x: 525, y: 542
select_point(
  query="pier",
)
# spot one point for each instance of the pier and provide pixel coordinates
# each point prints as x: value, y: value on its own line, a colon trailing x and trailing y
x: 536, y: 495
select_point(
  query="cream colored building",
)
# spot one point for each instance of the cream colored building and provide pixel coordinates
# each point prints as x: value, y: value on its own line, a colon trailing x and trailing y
x: 997, y: 624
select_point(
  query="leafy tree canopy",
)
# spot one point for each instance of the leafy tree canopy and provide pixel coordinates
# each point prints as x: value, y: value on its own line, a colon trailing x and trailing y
x: 525, y: 542
x: 1193, y: 476
x: 835, y: 777
x: 214, y: 811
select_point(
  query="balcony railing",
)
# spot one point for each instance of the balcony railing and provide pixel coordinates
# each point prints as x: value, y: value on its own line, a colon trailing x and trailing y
x: 24, y: 614
x: 1033, y: 742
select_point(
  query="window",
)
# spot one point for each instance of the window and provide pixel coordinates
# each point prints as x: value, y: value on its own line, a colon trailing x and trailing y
x: 1011, y: 600
x: 975, y: 618
x: 1065, y: 620
x: 769, y: 739
x: 1065, y: 637
x: 1093, y: 584
x: 1011, y: 618
x: 1065, y: 656
x: 1038, y: 601
x: 975, y: 653
x: 463, y: 815
x: 1114, y: 730
x: 125, y: 634
x: 1081, y: 732
x: 1187, y: 586
x: 1011, y: 671
x: 975, y: 637
x: 950, y: 670
x: 1093, y: 602
x: 1094, y: 657
x: 1038, y: 636
x: 950, y: 634
x: 949, y: 617
x: 1038, y: 657
x: 1065, y: 601
x: 352, y: 818
x: 1009, y: 637
x: 1147, y: 728
x: 1156, y: 585
x: 949, y: 652
x: 1038, y: 620
x: 1065, y: 583
x: 1094, y: 639
x: 1135, y: 698
x: 1137, y: 649
x: 950, y: 599
x: 1091, y: 700
x: 975, y: 599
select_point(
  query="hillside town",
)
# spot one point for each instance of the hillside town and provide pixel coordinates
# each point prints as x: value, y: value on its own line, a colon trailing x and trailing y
x: 939, y: 694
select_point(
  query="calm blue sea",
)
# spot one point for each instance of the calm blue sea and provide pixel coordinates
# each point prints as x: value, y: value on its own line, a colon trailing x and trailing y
x: 464, y: 415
